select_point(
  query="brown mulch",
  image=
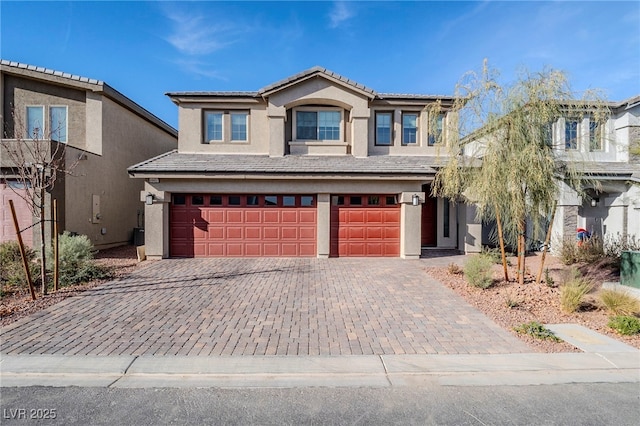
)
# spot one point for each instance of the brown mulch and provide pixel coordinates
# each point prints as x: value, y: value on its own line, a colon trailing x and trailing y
x: 509, y: 304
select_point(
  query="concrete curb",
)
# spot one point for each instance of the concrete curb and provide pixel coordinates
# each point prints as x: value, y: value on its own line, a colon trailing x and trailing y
x: 319, y: 371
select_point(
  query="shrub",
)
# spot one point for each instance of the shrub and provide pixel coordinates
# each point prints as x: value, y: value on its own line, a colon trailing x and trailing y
x: 625, y: 325
x: 454, y: 269
x: 537, y: 330
x: 573, y: 291
x: 11, y: 269
x: 76, y: 263
x: 568, y: 251
x: 548, y: 279
x: 478, y: 271
x: 615, y: 245
x: 619, y: 302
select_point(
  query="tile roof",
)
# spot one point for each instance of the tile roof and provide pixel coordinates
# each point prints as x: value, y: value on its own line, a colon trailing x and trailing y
x: 174, y: 162
x: 312, y: 71
x: 43, y: 70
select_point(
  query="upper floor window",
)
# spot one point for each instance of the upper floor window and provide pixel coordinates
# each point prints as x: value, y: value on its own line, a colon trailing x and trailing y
x: 595, y: 135
x: 239, y: 126
x: 226, y: 126
x: 435, y: 134
x: 213, y: 123
x: 571, y: 134
x: 409, y: 128
x: 58, y: 120
x: 318, y: 125
x: 384, y: 121
x: 35, y: 122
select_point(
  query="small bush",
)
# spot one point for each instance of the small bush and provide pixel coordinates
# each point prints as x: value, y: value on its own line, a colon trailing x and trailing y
x: 569, y: 251
x: 454, y: 269
x: 477, y: 271
x: 537, y: 330
x: 11, y: 269
x: 573, y: 291
x: 548, y: 279
x: 619, y: 302
x: 76, y: 263
x: 625, y: 325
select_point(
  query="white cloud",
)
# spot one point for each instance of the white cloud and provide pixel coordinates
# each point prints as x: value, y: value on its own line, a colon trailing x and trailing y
x: 198, y: 68
x: 194, y: 34
x: 340, y: 13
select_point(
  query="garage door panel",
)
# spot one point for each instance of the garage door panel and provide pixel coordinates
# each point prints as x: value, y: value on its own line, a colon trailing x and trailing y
x: 271, y: 216
x: 271, y: 233
x: 234, y: 216
x: 235, y: 232
x: 254, y: 249
x: 252, y: 216
x: 307, y: 216
x: 216, y: 232
x: 215, y: 216
x: 253, y: 233
x: 289, y: 233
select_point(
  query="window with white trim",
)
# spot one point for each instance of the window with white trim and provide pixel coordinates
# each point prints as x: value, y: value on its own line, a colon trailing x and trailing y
x: 571, y: 126
x: 409, y: 128
x: 226, y: 126
x: 317, y: 124
x: 384, y: 128
x: 596, y: 135
x: 35, y: 122
x: 58, y: 121
x: 435, y: 133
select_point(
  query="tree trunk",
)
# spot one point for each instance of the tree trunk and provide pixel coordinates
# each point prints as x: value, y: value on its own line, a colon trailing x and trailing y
x: 23, y: 255
x: 501, y: 241
x: 522, y: 250
x: 546, y: 243
x: 43, y: 254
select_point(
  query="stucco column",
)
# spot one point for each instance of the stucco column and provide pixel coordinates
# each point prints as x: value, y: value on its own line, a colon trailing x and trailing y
x: 324, y: 225
x: 410, y: 223
x: 156, y: 224
x: 566, y: 218
x: 277, y: 140
x: 473, y: 231
x: 359, y: 137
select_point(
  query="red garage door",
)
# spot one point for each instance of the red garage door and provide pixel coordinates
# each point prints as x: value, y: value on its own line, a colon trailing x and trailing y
x: 242, y: 225
x: 365, y: 225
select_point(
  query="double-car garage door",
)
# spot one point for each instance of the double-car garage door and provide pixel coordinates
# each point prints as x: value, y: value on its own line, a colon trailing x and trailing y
x: 212, y: 225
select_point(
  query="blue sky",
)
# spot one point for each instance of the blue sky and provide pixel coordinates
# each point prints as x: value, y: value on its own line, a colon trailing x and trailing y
x: 145, y: 49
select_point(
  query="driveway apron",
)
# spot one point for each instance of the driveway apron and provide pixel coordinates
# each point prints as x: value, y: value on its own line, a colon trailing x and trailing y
x: 266, y: 306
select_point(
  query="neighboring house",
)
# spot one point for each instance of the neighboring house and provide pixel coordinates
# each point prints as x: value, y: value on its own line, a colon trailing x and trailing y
x: 610, y: 208
x: 104, y: 132
x: 613, y: 208
x: 313, y: 165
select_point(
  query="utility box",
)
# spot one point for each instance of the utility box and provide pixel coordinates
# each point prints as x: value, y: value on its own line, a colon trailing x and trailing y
x: 630, y: 268
x: 138, y: 237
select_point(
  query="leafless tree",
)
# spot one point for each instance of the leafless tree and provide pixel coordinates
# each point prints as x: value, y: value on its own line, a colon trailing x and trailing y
x: 36, y: 162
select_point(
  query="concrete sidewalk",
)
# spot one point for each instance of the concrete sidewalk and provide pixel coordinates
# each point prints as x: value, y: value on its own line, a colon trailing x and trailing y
x: 319, y: 371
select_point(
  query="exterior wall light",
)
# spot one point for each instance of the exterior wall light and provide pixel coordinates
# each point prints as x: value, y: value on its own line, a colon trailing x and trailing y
x: 149, y: 199
x: 415, y: 200
x: 595, y: 202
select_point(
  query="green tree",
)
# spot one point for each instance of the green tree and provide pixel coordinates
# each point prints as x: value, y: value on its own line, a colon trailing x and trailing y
x: 505, y: 162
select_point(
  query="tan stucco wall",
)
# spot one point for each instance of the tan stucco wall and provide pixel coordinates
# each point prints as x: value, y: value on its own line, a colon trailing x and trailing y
x: 126, y: 140
x: 20, y: 93
x: 191, y: 124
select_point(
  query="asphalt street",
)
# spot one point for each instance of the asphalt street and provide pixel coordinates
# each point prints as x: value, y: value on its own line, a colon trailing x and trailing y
x: 568, y: 404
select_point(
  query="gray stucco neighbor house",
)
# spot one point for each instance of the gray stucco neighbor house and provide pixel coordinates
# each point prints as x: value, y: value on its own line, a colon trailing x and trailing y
x: 104, y: 132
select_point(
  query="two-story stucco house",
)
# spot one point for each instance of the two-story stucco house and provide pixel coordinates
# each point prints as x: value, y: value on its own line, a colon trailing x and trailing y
x: 313, y: 165
x: 612, y: 208
x: 103, y: 133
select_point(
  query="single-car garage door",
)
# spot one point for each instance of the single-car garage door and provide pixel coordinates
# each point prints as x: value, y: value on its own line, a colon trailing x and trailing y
x: 214, y: 225
x: 365, y: 225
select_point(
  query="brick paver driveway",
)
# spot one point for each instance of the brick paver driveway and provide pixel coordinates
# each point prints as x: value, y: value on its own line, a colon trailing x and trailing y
x: 263, y: 307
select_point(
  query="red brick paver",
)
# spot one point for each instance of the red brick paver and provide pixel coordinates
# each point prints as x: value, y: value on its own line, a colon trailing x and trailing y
x: 264, y: 307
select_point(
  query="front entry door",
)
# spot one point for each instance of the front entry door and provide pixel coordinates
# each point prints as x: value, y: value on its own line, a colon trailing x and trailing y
x: 429, y: 219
